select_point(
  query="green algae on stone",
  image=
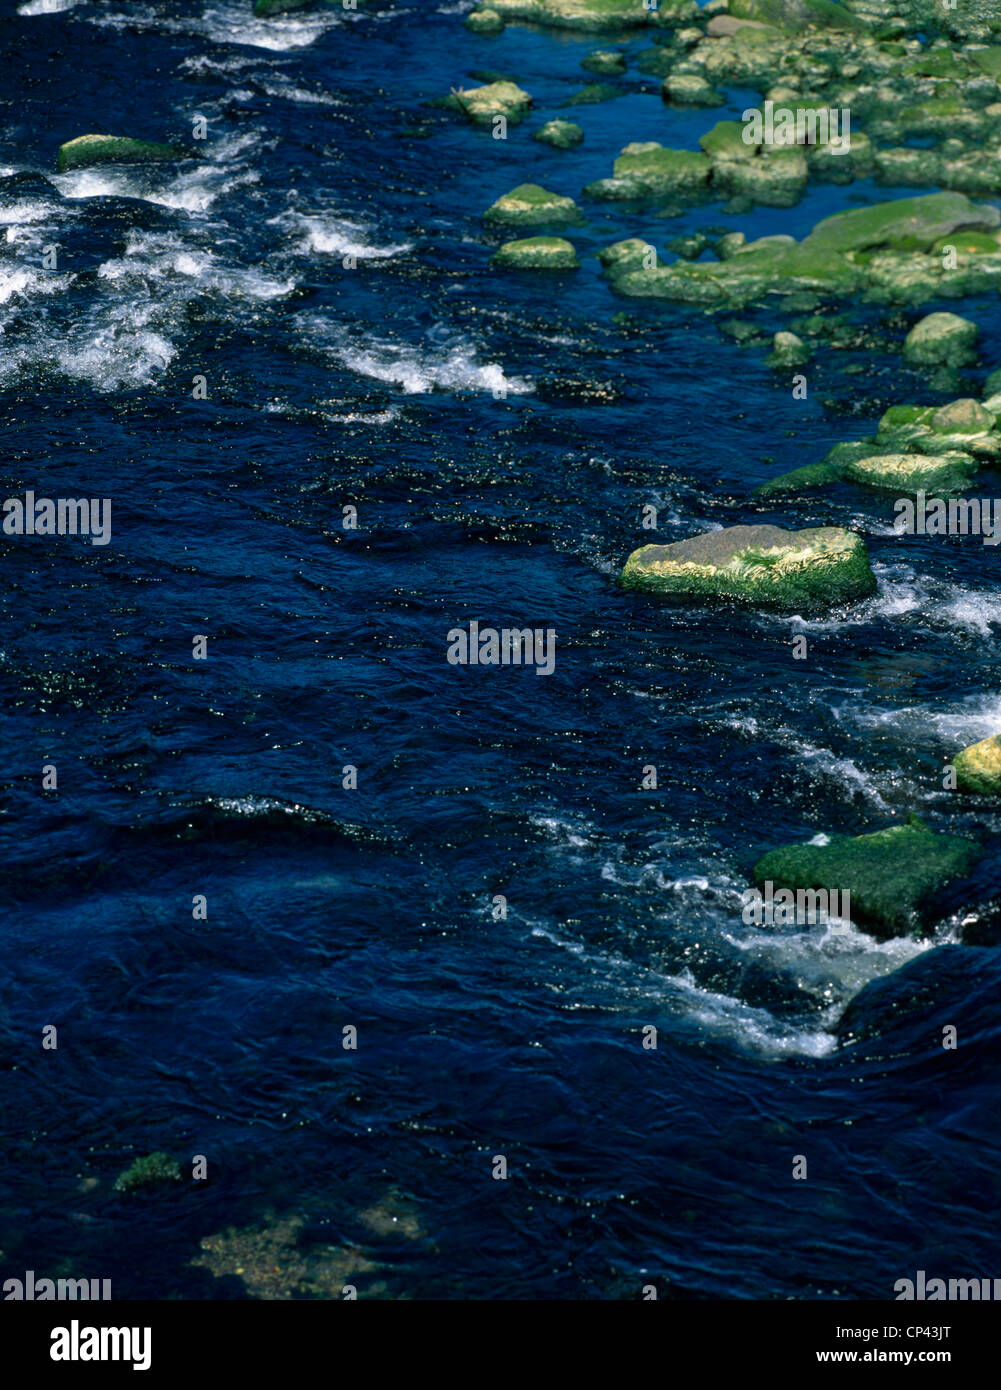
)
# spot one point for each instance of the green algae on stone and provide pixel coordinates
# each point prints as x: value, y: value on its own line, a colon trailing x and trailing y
x: 811, y: 475
x: 910, y: 473
x: 112, y: 149
x: 889, y: 874
x: 536, y: 253
x: 690, y: 89
x: 624, y: 257
x: 766, y: 566
x: 654, y: 167
x: 597, y: 16
x: 530, y: 204
x: 796, y: 15
x: 978, y: 768
x: 593, y: 93
x: 562, y: 135
x: 788, y: 351
x: 150, y: 1171
x: 941, y: 340
x: 605, y: 62
x: 904, y: 224
x: 484, y: 21
x: 482, y: 105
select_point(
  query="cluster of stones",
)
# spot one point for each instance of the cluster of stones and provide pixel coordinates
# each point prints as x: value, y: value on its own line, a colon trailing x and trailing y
x: 806, y: 56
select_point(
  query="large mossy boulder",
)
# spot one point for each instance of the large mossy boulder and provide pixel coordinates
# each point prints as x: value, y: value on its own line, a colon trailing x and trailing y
x: 531, y: 205
x: 905, y: 224
x: 646, y: 169
x: 912, y: 473
x: 86, y: 150
x: 766, y: 566
x: 482, y: 105
x: 536, y: 253
x: 978, y: 768
x: 889, y: 874
x: 941, y: 340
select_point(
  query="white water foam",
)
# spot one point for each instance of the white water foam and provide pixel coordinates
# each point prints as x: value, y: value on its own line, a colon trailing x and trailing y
x: 331, y: 234
x: 416, y: 370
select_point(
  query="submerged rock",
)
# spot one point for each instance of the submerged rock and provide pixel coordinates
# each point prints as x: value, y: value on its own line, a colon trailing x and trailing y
x: 482, y: 105
x: 536, y: 253
x: 111, y: 149
x: 763, y: 565
x: 889, y: 874
x: 264, y: 8
x: 562, y: 135
x: 529, y: 204
x: 941, y: 340
x: 606, y: 62
x: 155, y: 1168
x: 978, y: 768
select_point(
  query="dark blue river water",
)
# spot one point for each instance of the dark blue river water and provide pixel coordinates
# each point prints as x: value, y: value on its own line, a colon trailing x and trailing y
x: 498, y: 435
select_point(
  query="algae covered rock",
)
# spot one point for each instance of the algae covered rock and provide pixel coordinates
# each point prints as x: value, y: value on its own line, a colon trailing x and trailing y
x: 908, y: 473
x: 265, y: 8
x: 690, y: 89
x: 889, y: 874
x: 562, y: 135
x: 597, y: 16
x: 762, y: 565
x: 941, y: 340
x: 903, y: 224
x: 111, y: 149
x: 978, y: 768
x: 482, y: 105
x: 530, y: 204
x: 536, y: 253
x: 150, y: 1171
x: 649, y: 166
x: 484, y: 21
x: 605, y: 62
x: 788, y: 351
x: 624, y: 257
x: 796, y: 15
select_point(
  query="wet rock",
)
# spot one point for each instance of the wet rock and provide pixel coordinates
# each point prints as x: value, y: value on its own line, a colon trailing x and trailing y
x: 86, y: 150
x: 562, y: 135
x: 151, y: 1171
x: 909, y: 473
x: 890, y: 874
x: 484, y: 21
x: 593, y: 93
x: 482, y: 105
x: 605, y: 62
x: 597, y: 16
x: 767, y: 566
x: 941, y: 340
x: 788, y: 351
x: 690, y: 89
x: 978, y: 768
x: 529, y: 204
x: 536, y: 253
